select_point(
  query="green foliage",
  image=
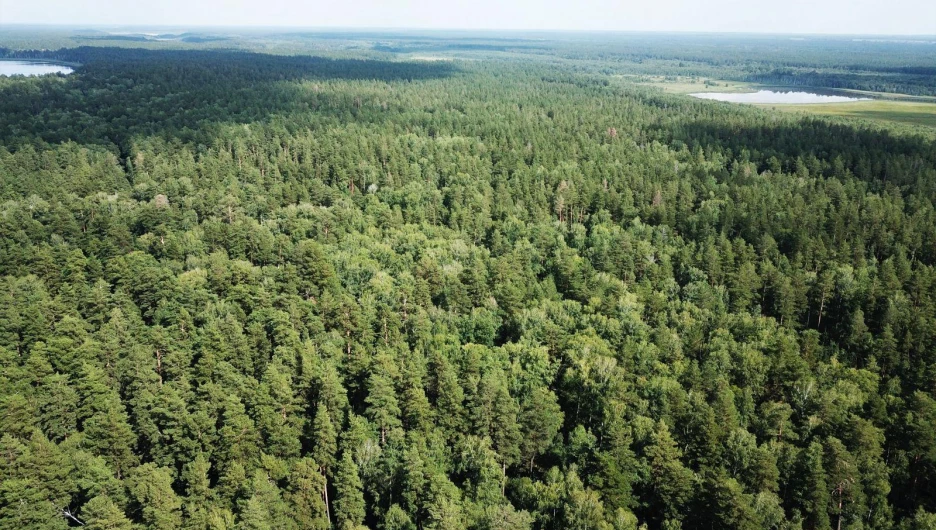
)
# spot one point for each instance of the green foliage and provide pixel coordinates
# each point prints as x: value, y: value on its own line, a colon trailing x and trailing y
x: 349, y: 498
x: 275, y: 291
x: 102, y: 514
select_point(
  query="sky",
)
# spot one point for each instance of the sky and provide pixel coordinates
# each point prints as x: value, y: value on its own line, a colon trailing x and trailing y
x: 885, y: 17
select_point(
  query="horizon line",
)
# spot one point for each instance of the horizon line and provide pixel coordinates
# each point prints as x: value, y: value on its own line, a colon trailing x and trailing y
x: 365, y: 29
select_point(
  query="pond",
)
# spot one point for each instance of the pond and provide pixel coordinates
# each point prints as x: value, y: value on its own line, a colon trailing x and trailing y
x: 32, y: 68
x: 778, y: 96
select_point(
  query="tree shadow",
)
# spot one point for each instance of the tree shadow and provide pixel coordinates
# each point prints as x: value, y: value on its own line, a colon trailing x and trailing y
x: 821, y: 147
x: 118, y: 93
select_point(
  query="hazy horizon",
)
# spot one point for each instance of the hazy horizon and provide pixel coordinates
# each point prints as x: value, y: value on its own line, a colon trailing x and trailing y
x: 140, y: 27
x: 830, y: 17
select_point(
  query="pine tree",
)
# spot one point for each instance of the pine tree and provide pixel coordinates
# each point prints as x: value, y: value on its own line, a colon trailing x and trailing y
x: 382, y: 406
x: 617, y: 467
x: 305, y: 495
x: 108, y: 433
x: 449, y: 399
x: 417, y: 411
x: 324, y: 449
x: 813, y: 495
x: 540, y: 420
x: 58, y: 407
x: 276, y: 414
x: 671, y: 483
x: 101, y: 513
x: 349, y: 494
x: 238, y: 437
x: 151, y: 488
x: 199, y: 496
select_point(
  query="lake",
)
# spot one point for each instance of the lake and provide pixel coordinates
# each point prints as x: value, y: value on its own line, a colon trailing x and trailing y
x: 32, y: 68
x: 771, y: 96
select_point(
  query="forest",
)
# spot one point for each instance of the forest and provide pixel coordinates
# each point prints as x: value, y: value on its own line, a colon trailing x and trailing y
x: 333, y: 286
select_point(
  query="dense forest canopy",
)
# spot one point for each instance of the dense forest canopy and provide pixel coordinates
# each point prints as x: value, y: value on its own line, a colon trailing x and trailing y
x: 246, y: 288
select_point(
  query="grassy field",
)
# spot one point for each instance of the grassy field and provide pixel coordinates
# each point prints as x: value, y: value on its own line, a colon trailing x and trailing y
x: 906, y: 112
x: 893, y: 108
x: 689, y: 85
x: 890, y: 96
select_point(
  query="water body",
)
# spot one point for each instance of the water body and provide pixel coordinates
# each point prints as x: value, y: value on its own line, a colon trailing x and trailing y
x: 771, y: 96
x: 31, y: 68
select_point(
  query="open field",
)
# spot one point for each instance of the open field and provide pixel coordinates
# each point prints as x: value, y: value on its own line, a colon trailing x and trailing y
x: 886, y: 107
x: 906, y: 112
x: 690, y: 85
x: 887, y: 95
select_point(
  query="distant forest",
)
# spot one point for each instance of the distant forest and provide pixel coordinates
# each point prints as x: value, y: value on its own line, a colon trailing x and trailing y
x: 310, y: 282
x: 893, y: 65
